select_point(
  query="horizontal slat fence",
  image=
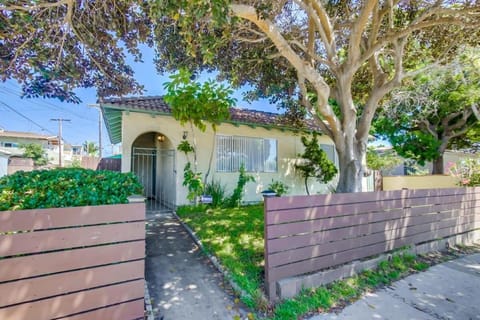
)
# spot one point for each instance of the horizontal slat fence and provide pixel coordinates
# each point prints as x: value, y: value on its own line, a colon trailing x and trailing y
x: 73, y: 263
x: 306, y: 234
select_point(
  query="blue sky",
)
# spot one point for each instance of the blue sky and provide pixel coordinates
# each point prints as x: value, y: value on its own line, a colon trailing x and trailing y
x: 84, y: 119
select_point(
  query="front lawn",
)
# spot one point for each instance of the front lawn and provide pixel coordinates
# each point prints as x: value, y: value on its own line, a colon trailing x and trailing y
x: 235, y: 237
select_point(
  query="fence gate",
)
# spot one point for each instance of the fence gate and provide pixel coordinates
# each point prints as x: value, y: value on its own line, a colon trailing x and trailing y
x: 155, y: 168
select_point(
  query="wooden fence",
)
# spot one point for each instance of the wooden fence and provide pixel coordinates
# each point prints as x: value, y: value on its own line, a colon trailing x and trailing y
x: 73, y: 263
x: 306, y: 234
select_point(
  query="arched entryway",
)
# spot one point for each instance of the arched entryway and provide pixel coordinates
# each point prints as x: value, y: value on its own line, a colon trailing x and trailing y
x: 153, y: 161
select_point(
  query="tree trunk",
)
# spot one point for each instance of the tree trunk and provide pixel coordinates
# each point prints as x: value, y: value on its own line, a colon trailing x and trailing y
x: 437, y: 165
x: 306, y: 186
x: 351, y: 170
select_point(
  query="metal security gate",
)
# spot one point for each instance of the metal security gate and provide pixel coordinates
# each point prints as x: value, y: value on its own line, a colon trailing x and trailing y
x: 155, y: 168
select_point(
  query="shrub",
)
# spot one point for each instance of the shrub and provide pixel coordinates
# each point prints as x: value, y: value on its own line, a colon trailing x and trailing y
x: 69, y: 187
x: 279, y: 187
x: 236, y: 198
x: 217, y: 191
x: 467, y: 172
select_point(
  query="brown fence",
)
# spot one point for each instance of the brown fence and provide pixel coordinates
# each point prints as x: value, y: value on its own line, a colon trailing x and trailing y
x: 112, y: 164
x: 73, y: 263
x: 307, y: 234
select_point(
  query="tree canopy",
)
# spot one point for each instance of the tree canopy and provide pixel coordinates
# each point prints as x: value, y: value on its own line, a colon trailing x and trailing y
x: 52, y: 47
x: 422, y: 119
x: 350, y: 52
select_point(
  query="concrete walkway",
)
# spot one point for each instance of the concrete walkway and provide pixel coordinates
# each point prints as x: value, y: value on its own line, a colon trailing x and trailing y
x: 182, y: 282
x: 450, y: 290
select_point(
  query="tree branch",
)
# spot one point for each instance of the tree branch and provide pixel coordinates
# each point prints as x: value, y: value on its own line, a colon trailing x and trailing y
x: 11, y: 7
x: 303, y: 69
x: 357, y: 31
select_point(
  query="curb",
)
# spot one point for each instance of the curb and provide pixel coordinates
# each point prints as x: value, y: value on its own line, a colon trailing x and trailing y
x: 212, y: 259
x: 148, y: 304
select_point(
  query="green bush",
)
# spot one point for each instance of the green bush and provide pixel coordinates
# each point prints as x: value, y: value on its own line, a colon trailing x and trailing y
x: 279, y: 187
x: 217, y: 191
x: 235, y: 200
x: 69, y: 187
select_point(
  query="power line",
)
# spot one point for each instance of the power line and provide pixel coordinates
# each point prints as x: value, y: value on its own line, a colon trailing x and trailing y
x: 47, y: 104
x: 25, y: 117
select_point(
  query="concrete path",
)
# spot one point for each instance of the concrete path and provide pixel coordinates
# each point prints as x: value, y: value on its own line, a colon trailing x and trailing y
x: 182, y: 282
x: 450, y: 290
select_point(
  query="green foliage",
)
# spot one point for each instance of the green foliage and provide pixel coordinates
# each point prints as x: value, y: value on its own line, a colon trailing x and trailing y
x: 193, y: 181
x: 68, y: 187
x: 195, y: 102
x: 235, y: 199
x: 52, y: 48
x: 279, y: 187
x: 382, y: 160
x: 76, y: 163
x: 217, y: 190
x: 35, y: 152
x: 467, y: 172
x: 415, y: 144
x: 315, y: 162
x: 424, y: 118
x: 90, y: 148
x: 185, y: 147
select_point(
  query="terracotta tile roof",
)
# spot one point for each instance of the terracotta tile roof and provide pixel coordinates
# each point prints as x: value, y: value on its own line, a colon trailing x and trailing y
x: 237, y: 115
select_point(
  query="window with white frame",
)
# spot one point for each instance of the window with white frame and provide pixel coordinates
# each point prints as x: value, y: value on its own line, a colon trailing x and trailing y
x: 256, y: 154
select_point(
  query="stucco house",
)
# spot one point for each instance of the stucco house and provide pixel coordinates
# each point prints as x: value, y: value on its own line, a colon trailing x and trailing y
x: 11, y: 141
x: 150, y: 135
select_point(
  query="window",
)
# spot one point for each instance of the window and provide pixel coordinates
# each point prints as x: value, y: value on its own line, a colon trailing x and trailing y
x: 10, y: 145
x: 256, y: 154
x: 330, y: 151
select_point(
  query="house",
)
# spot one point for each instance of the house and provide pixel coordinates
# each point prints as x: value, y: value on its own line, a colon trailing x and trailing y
x: 11, y: 141
x: 150, y: 135
x: 4, y: 163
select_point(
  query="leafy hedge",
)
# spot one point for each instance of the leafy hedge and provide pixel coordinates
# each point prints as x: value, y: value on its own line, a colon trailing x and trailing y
x: 69, y: 187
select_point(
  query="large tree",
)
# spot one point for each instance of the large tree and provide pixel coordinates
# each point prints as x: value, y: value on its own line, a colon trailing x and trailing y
x: 341, y: 58
x: 434, y: 111
x: 351, y: 52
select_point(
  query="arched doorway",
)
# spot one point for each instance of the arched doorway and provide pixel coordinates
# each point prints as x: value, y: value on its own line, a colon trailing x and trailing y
x: 153, y: 161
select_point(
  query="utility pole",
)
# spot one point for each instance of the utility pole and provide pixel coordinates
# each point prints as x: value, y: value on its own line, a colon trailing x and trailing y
x: 99, y: 133
x: 60, y: 121
x: 100, y: 146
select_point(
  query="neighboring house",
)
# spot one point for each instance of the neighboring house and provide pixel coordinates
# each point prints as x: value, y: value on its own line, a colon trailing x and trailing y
x: 150, y: 136
x: 4, y: 163
x: 10, y: 141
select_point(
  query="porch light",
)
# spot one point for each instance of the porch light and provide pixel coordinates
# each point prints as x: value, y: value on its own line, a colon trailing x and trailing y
x: 161, y: 138
x: 185, y: 135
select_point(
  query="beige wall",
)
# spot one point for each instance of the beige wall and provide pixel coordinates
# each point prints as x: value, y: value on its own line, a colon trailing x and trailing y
x: 419, y: 182
x: 289, y: 145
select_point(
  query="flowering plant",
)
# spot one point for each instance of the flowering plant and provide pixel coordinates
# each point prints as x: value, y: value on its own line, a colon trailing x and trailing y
x: 467, y: 172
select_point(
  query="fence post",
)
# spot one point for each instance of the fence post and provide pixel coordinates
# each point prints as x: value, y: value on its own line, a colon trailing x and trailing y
x: 270, y: 287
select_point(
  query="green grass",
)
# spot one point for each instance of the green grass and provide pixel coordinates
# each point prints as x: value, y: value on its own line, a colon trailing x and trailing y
x: 235, y: 237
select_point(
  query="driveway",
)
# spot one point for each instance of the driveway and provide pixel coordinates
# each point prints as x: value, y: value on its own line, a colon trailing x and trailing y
x: 183, y: 284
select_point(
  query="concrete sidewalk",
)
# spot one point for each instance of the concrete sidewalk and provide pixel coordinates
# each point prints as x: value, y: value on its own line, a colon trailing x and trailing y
x: 450, y: 290
x: 183, y: 284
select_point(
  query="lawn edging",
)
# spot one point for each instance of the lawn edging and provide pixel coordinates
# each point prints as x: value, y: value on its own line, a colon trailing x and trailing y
x: 242, y: 293
x: 148, y: 304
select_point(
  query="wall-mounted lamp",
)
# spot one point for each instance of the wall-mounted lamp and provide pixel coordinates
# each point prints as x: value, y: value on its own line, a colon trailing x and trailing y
x: 185, y: 135
x: 161, y: 138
